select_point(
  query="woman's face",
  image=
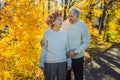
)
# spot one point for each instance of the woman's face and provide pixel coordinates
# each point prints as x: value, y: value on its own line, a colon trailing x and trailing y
x: 58, y: 22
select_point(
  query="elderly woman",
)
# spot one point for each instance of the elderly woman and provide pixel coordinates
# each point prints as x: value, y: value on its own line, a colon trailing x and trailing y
x: 53, y: 60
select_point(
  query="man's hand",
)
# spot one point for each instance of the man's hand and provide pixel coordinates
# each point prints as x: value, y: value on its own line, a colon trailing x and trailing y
x: 71, y: 54
x: 69, y: 67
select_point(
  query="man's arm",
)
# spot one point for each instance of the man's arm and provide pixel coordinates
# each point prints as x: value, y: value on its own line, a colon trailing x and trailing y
x: 85, y: 41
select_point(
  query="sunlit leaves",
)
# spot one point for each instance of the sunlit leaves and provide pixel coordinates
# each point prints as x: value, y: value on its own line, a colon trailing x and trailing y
x: 20, y: 48
x: 20, y: 45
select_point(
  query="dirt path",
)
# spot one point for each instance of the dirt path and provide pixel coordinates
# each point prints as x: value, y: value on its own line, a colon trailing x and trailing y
x: 105, y: 67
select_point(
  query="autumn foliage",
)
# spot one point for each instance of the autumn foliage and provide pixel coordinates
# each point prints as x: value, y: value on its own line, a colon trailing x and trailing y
x: 22, y: 24
x: 19, y: 47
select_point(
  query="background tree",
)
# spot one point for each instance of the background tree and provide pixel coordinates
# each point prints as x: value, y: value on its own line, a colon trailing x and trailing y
x: 111, y: 30
x: 65, y: 8
x: 48, y: 6
x: 19, y: 49
x: 106, y: 5
x: 23, y: 23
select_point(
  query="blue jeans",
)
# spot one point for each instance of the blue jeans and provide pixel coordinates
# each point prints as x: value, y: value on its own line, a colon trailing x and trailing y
x: 77, y: 67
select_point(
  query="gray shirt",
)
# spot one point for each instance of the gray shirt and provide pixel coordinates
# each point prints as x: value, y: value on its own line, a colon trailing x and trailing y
x: 78, y: 37
x: 55, y: 48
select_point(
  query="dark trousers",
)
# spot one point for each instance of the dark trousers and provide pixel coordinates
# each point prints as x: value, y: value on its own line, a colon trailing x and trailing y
x: 77, y: 67
x: 55, y: 70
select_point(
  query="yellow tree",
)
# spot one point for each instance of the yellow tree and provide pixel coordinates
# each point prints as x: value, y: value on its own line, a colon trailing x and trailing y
x: 19, y: 48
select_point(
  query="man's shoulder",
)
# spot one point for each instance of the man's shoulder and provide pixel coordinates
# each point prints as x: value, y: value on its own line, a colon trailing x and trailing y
x: 82, y: 24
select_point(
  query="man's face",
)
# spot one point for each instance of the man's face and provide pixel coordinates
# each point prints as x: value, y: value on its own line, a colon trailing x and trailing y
x: 72, y: 17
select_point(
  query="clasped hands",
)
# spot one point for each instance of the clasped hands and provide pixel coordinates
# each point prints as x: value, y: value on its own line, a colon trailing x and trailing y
x: 70, y: 54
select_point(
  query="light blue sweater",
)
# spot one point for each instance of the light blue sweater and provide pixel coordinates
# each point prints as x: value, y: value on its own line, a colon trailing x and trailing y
x: 55, y: 48
x: 78, y: 37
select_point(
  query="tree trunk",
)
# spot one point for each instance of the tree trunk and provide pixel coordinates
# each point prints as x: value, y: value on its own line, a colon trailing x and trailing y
x: 70, y: 3
x: 107, y: 6
x: 0, y: 4
x: 43, y: 9
x: 48, y: 6
x: 55, y: 2
x: 65, y: 8
x: 62, y: 3
x: 102, y: 18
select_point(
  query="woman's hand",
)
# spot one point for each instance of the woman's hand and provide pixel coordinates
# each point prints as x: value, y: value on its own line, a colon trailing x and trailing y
x: 69, y: 67
x: 42, y: 68
x: 42, y: 43
x: 70, y: 54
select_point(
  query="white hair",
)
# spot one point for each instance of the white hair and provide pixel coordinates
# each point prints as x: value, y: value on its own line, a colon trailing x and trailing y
x: 76, y: 10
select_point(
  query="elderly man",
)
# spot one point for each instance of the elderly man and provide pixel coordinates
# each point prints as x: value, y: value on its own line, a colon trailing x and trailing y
x: 79, y: 40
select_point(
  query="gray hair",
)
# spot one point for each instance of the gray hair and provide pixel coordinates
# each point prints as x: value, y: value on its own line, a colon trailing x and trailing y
x: 76, y: 10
